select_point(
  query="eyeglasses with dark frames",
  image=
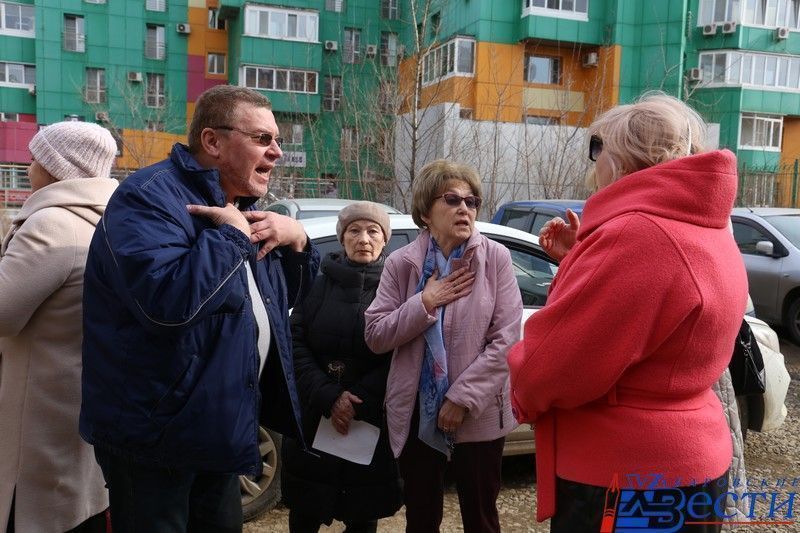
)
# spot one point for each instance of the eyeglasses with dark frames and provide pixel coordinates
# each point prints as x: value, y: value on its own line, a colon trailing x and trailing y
x: 454, y: 200
x: 264, y: 139
x: 595, y: 147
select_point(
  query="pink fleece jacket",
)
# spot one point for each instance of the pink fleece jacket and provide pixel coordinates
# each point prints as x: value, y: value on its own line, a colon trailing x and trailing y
x: 478, y: 330
x: 616, y: 370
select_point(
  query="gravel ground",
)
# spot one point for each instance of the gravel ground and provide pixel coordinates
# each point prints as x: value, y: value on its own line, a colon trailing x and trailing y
x: 769, y: 456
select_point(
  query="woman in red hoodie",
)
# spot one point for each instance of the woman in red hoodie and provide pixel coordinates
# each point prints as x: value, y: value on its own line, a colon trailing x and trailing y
x: 616, y: 371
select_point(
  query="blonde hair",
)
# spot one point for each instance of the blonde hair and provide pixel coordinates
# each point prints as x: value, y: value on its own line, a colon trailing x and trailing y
x: 656, y: 129
x: 431, y: 182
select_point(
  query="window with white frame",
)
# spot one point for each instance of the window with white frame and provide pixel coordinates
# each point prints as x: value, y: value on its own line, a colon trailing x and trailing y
x: 280, y: 79
x: 214, y: 22
x: 389, y: 9
x: 542, y: 69
x: 771, y: 13
x: 719, y: 11
x: 216, y: 63
x: 9, y: 117
x: 155, y: 97
x: 156, y: 5
x: 17, y: 74
x: 95, y: 92
x: 155, y: 42
x: 351, y: 52
x: 332, y: 95
x: 349, y: 144
x: 95, y: 1
x: 572, y: 9
x: 17, y: 19
x: 732, y: 68
x: 387, y: 97
x: 453, y: 58
x: 334, y: 5
x: 154, y: 125
x: 292, y: 133
x: 74, y: 33
x: 540, y: 120
x: 388, y: 49
x: 761, y: 132
x: 284, y: 24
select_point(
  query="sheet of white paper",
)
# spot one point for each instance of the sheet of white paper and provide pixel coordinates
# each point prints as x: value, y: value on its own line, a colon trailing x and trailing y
x: 358, y: 446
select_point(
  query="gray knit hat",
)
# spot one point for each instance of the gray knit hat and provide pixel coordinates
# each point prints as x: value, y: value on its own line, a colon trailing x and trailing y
x: 363, y: 211
x: 69, y: 150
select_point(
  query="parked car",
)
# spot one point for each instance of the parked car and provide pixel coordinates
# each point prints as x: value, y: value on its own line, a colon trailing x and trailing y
x: 304, y: 208
x: 531, y: 215
x: 534, y: 271
x: 769, y: 239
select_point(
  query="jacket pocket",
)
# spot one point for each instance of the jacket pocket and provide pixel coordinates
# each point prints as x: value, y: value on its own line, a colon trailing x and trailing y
x: 178, y: 393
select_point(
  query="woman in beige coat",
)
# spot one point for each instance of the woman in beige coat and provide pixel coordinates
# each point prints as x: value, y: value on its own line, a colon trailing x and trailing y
x: 49, y: 480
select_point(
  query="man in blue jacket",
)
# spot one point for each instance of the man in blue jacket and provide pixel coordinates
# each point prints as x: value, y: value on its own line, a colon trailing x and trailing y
x: 186, y: 335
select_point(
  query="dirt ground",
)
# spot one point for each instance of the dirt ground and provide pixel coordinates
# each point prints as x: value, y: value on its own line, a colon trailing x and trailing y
x: 769, y: 456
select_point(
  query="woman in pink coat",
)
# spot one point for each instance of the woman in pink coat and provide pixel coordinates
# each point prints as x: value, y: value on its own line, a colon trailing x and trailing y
x: 616, y: 371
x: 449, y: 307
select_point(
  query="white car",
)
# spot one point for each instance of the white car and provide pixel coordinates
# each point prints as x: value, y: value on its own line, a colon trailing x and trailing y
x: 534, y: 271
x: 305, y: 208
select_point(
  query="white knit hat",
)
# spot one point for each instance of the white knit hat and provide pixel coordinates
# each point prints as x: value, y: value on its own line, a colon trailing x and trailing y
x: 69, y: 150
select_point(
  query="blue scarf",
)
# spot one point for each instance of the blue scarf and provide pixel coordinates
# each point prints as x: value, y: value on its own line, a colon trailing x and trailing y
x: 433, y: 381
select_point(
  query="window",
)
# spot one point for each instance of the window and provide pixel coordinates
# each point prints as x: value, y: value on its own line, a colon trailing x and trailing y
x: 334, y: 5
x: 156, y: 5
x: 742, y: 69
x: 719, y: 11
x: 349, y: 144
x: 74, y: 35
x: 389, y: 9
x: 455, y: 57
x: 747, y: 236
x: 216, y: 63
x: 760, y: 131
x: 17, y: 19
x: 291, y: 133
x: 214, y: 22
x: 155, y: 46
x: 95, y: 1
x: 280, y: 79
x: 436, y: 25
x: 332, y: 97
x: 17, y: 74
x: 9, y: 117
x: 767, y: 13
x: 571, y: 9
x: 387, y: 95
x: 155, y: 90
x: 540, y: 120
x: 352, y: 46
x: 95, y: 85
x: 542, y: 69
x: 388, y: 49
x: 272, y: 23
x: 154, y: 125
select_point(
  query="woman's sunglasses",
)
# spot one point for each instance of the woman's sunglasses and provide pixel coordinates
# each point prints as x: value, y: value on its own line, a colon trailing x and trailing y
x: 454, y: 200
x: 595, y: 147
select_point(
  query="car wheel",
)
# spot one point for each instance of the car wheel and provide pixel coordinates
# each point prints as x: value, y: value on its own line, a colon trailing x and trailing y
x: 792, y: 320
x: 263, y: 492
x: 744, y: 414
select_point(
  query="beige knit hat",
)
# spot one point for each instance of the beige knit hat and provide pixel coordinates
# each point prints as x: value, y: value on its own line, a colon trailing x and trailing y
x: 69, y: 150
x: 363, y: 211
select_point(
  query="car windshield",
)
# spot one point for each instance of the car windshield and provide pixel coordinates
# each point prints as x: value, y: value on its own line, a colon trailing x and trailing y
x: 789, y: 226
x: 302, y: 215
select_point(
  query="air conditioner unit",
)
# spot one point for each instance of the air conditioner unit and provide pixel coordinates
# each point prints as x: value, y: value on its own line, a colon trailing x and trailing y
x: 695, y: 74
x: 101, y: 116
x: 135, y: 76
x: 183, y: 27
x: 371, y: 50
x: 710, y: 29
x: 331, y: 46
x: 32, y: 90
x: 781, y: 33
x: 729, y: 27
x: 590, y: 59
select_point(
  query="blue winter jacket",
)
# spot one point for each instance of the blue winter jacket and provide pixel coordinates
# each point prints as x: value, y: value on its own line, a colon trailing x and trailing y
x: 170, y: 362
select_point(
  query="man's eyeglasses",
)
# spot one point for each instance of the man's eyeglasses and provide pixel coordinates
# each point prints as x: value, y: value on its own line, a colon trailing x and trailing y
x: 454, y: 200
x: 264, y: 139
x: 595, y: 147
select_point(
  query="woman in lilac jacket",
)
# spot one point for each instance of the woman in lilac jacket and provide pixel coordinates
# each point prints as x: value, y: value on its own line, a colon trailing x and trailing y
x: 449, y: 307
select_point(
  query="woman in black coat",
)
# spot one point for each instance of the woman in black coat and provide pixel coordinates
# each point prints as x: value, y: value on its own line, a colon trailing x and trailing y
x: 339, y: 378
